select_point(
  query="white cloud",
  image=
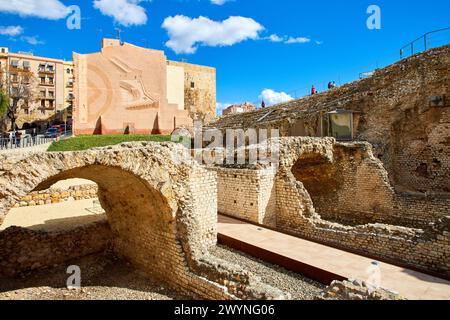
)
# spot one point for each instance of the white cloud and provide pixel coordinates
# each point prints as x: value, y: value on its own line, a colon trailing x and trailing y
x: 219, y: 2
x: 11, y: 31
x: 221, y: 106
x: 287, y: 39
x: 272, y: 97
x: 46, y: 9
x: 124, y: 12
x: 297, y: 40
x: 33, y: 40
x: 275, y: 38
x: 186, y: 33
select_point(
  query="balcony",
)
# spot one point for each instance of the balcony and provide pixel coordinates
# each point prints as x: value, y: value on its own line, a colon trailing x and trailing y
x: 46, y: 71
x: 47, y: 83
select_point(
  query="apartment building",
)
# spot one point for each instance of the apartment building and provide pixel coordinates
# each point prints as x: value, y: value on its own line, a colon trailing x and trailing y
x: 49, y: 81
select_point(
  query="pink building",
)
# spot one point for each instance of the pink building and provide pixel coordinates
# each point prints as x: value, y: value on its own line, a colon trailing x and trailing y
x: 129, y: 89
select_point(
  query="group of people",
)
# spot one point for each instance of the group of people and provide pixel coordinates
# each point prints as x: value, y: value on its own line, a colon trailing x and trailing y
x: 6, y: 138
x: 331, y: 85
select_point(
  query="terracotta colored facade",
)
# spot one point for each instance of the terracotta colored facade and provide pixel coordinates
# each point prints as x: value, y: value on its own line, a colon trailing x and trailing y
x: 123, y: 89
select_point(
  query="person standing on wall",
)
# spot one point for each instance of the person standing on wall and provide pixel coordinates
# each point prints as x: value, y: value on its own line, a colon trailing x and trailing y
x: 263, y: 104
x: 313, y: 90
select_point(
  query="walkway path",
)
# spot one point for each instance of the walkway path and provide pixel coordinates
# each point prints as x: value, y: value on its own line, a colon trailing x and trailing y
x: 38, y: 148
x: 322, y: 262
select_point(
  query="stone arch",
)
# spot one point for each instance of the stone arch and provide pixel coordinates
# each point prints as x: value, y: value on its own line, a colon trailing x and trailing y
x: 163, y: 212
x: 143, y: 192
x: 348, y: 186
x: 139, y: 215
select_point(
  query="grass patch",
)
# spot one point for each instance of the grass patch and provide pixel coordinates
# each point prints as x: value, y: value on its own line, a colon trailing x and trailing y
x: 84, y: 142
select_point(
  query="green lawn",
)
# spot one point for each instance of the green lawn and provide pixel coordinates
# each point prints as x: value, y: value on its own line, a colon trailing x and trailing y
x: 84, y: 142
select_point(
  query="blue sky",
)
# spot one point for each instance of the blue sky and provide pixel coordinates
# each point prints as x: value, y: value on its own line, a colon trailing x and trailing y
x: 256, y: 45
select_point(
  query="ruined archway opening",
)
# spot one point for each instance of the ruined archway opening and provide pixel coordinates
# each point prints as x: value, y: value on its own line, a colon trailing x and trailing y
x: 128, y: 216
x: 332, y: 185
x: 64, y: 205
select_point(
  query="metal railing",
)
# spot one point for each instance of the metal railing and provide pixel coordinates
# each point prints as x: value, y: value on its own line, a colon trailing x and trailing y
x: 427, y: 41
x: 29, y: 141
x: 25, y: 142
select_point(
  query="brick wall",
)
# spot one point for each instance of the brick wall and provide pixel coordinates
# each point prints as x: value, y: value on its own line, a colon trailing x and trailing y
x: 23, y: 250
x: 55, y: 195
x: 340, y: 194
x: 247, y: 194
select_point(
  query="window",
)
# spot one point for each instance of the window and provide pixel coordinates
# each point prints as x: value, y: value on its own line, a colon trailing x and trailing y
x: 42, y: 93
x: 14, y: 78
x: 50, y: 80
x: 42, y: 67
x: 50, y: 68
x: 192, y: 85
x: 68, y: 71
x: 26, y: 64
x: 43, y: 103
x: 51, y: 94
x: 340, y: 124
x: 43, y: 80
x: 50, y: 104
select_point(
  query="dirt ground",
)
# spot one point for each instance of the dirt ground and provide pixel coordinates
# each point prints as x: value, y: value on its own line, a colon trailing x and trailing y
x: 103, y: 277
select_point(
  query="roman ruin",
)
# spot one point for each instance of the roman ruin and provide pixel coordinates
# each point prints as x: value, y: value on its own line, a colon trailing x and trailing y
x: 363, y: 168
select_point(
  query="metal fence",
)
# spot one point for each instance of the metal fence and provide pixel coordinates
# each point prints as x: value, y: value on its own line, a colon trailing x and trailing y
x: 25, y: 142
x: 29, y: 141
x: 427, y: 41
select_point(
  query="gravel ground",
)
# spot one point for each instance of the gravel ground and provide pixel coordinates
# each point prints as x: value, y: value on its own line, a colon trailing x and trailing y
x: 299, y: 287
x: 103, y: 277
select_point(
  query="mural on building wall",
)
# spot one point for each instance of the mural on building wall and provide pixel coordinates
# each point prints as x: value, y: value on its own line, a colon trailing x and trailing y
x: 123, y: 89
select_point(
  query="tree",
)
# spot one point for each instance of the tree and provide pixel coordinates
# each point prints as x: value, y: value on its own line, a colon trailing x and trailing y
x: 21, y: 86
x: 4, y: 103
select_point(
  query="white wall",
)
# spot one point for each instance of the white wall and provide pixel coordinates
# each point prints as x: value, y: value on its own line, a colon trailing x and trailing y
x: 175, y: 86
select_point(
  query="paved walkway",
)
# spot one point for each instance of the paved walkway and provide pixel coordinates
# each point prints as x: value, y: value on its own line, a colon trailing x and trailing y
x: 38, y: 148
x: 314, y: 256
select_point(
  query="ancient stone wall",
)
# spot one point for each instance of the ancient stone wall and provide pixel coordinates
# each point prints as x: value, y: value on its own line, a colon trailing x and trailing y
x: 354, y: 188
x: 199, y: 90
x: 339, y: 194
x: 403, y: 110
x: 162, y: 214
x: 356, y: 290
x: 247, y: 194
x: 56, y: 195
x: 426, y: 249
x: 23, y: 250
